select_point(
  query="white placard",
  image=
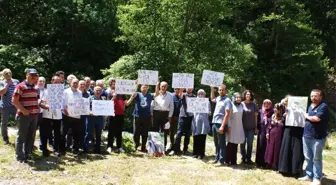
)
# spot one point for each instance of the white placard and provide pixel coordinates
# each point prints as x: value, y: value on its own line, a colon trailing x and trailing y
x: 78, y: 106
x: 55, y: 96
x: 148, y: 77
x: 125, y: 86
x: 297, y: 107
x: 198, y: 105
x: 103, y: 108
x: 183, y: 80
x: 212, y: 78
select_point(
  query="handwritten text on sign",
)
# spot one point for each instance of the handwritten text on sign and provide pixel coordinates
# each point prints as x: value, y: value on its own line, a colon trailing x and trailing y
x: 183, y: 80
x: 198, y: 105
x: 79, y: 106
x: 102, y: 108
x: 148, y: 77
x: 212, y: 78
x: 125, y: 86
x: 55, y: 96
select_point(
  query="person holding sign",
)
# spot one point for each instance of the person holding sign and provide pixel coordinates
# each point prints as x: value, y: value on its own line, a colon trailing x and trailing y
x: 200, y: 128
x: 142, y: 116
x: 94, y: 123
x: 51, y: 123
x: 314, y: 137
x: 72, y: 121
x: 117, y: 121
x: 184, y: 123
x: 163, y: 108
x: 220, y: 121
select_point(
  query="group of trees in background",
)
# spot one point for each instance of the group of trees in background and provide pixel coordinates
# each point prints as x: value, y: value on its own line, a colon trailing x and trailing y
x: 271, y: 47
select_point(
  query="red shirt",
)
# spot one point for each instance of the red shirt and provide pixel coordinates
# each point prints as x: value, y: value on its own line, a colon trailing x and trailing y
x: 28, y: 98
x: 119, y: 105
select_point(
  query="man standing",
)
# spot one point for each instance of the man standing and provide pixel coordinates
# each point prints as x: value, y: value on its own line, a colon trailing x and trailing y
x: 69, y: 79
x: 314, y: 137
x: 60, y: 74
x: 163, y: 109
x: 184, y: 123
x: 92, y: 86
x: 25, y: 99
x: 7, y: 87
x: 142, y: 116
x: 174, y: 121
x: 220, y: 121
x: 87, y: 84
x: 72, y: 121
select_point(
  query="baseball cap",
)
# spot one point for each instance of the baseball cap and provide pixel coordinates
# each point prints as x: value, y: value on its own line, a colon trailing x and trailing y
x: 31, y: 71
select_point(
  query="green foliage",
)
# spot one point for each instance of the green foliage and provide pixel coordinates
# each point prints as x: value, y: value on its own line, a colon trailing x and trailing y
x: 128, y: 144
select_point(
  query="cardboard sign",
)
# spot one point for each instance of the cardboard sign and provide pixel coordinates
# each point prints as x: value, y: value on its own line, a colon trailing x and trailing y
x: 198, y: 105
x: 55, y: 97
x: 103, y: 108
x: 148, y: 77
x: 212, y: 78
x: 78, y: 106
x: 125, y: 86
x: 183, y: 80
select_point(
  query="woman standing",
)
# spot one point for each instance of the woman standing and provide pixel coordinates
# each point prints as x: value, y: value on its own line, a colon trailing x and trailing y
x: 291, y: 153
x: 236, y: 135
x: 250, y: 119
x: 264, y: 118
x: 200, y: 128
x: 274, y: 136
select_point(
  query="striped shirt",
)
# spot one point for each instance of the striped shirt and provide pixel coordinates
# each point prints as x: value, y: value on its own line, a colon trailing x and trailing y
x: 7, y: 97
x: 28, y: 98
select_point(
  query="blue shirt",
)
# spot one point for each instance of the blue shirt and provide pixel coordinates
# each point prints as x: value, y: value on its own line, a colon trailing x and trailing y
x: 177, y: 105
x: 143, y: 105
x: 222, y: 104
x: 7, y: 97
x: 317, y: 130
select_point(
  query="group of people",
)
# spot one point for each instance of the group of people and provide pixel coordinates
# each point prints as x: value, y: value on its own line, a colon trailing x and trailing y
x: 234, y: 121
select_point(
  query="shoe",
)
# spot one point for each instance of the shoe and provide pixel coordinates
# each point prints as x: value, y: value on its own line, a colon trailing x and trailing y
x: 121, y: 150
x: 109, y: 150
x: 316, y: 182
x: 75, y: 151
x: 6, y: 142
x: 171, y: 152
x: 185, y: 152
x: 249, y: 162
x: 144, y: 150
x: 195, y: 156
x: 57, y: 154
x: 201, y: 157
x: 214, y: 162
x: 305, y: 178
x: 243, y: 161
x: 45, y: 154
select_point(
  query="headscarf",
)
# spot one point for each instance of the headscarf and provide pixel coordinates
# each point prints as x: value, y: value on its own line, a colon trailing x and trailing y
x: 201, y: 91
x: 234, y: 95
x: 267, y: 112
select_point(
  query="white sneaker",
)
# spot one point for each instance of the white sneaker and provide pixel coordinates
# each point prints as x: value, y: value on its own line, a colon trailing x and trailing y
x: 121, y: 150
x: 316, y: 182
x: 305, y: 178
x: 109, y: 150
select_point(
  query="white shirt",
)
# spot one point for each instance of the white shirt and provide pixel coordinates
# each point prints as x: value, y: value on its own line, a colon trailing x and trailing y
x: 50, y: 114
x: 69, y: 94
x: 164, y: 103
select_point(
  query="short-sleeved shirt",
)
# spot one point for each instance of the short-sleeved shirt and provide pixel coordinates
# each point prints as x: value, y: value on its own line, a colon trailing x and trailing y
x: 119, y: 102
x: 317, y: 130
x: 250, y: 109
x: 183, y: 110
x: 70, y: 94
x: 177, y: 104
x: 7, y: 97
x: 222, y: 104
x: 28, y: 98
x: 143, y: 105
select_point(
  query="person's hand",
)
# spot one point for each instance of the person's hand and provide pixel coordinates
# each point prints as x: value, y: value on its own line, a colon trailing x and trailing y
x: 306, y: 115
x: 91, y: 113
x: 212, y: 88
x: 255, y: 131
x: 134, y: 95
x: 228, y: 131
x: 25, y: 112
x: 158, y: 83
x: 47, y: 107
x: 284, y: 115
x: 267, y: 136
x: 221, y: 130
x: 66, y: 111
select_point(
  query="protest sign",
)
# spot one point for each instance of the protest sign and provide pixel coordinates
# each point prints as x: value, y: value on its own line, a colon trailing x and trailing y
x: 297, y: 107
x: 148, y: 77
x: 212, y: 78
x: 55, y: 96
x: 183, y: 80
x: 103, y: 108
x: 125, y: 86
x: 78, y: 106
x: 198, y: 105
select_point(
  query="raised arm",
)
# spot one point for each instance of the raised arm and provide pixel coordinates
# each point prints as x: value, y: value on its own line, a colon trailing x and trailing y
x: 213, y: 97
x: 129, y: 101
x: 157, y: 89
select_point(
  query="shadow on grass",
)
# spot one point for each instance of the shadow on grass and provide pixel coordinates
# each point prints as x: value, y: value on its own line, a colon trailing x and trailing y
x: 327, y: 181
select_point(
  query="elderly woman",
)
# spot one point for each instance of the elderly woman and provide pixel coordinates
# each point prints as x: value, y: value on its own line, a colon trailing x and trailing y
x: 200, y: 128
x: 264, y: 119
x: 237, y: 135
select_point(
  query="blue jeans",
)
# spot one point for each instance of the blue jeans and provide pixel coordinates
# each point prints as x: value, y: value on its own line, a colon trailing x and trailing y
x: 220, y: 143
x: 249, y: 136
x: 93, y: 122
x: 312, y: 150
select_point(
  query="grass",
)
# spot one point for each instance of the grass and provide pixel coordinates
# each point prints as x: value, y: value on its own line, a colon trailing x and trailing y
x: 136, y: 168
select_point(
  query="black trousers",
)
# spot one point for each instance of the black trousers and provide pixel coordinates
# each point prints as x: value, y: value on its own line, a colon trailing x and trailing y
x: 231, y: 153
x: 47, y: 127
x: 160, y: 118
x: 184, y: 128
x: 199, y: 145
x: 78, y: 133
x: 115, y: 130
x: 141, y: 126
